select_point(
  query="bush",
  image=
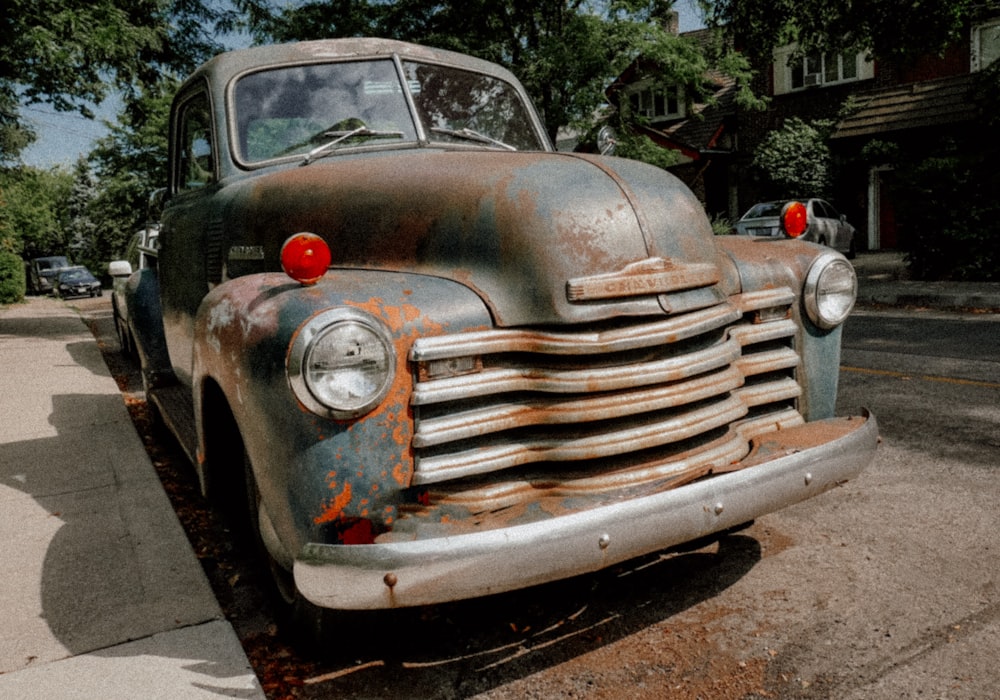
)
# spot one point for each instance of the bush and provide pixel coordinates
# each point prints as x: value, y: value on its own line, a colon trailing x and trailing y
x: 12, y: 282
x: 947, y: 202
x: 950, y: 218
x: 794, y: 161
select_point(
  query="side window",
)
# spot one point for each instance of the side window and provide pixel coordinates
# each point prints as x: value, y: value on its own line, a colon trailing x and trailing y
x: 196, y: 157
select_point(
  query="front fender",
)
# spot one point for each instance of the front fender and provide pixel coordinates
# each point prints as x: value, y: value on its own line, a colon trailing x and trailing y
x: 145, y: 318
x: 771, y: 263
x: 320, y: 479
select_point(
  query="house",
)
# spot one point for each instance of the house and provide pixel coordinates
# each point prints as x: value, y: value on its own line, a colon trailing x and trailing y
x: 912, y: 105
x: 703, y: 134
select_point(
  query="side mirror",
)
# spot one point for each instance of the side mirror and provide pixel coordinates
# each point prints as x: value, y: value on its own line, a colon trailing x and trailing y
x: 119, y: 268
x: 607, y: 141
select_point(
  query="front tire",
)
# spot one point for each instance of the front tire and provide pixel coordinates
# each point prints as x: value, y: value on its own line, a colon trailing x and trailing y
x: 302, y: 620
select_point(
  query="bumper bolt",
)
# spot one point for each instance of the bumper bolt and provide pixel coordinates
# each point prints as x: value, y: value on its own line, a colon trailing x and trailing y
x: 390, y: 580
x: 604, y: 540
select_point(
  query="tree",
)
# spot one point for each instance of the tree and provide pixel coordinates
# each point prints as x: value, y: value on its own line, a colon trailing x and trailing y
x: 72, y: 53
x: 882, y: 27
x: 81, y: 230
x: 34, y: 211
x: 565, y: 52
x: 795, y: 159
x: 129, y: 163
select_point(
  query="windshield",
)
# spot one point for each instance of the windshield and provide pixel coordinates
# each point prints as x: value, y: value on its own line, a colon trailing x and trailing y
x: 764, y: 209
x: 74, y: 276
x: 457, y: 104
x: 313, y: 110
x: 52, y: 263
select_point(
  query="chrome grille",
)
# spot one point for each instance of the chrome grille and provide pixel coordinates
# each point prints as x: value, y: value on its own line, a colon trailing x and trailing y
x: 600, y: 410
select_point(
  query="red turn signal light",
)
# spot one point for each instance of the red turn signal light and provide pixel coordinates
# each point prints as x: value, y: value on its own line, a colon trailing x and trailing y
x: 794, y: 219
x: 305, y: 257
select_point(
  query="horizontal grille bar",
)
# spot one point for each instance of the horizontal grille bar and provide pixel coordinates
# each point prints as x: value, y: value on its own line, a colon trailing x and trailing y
x: 603, y: 444
x: 637, y: 399
x: 661, y: 472
x: 585, y: 380
x: 492, y: 419
x: 578, y: 343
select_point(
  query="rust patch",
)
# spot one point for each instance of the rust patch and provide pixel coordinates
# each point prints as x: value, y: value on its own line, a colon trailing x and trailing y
x: 334, y: 507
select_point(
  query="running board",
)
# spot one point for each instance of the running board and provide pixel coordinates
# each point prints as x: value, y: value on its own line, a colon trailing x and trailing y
x: 176, y: 410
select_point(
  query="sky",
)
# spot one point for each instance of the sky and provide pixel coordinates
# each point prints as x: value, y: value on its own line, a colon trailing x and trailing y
x: 65, y: 136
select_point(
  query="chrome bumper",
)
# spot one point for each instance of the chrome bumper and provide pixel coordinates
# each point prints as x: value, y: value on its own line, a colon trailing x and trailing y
x: 789, y: 466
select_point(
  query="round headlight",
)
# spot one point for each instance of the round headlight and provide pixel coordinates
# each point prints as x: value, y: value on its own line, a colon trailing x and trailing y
x: 830, y: 290
x: 341, y: 364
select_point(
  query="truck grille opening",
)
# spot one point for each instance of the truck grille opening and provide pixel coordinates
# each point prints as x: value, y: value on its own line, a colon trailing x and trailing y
x: 598, y: 414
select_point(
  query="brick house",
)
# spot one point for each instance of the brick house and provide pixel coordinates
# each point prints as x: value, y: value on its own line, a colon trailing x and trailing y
x: 910, y: 105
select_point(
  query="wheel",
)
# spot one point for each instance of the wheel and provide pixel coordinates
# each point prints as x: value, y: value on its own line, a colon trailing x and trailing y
x: 120, y: 330
x: 302, y: 620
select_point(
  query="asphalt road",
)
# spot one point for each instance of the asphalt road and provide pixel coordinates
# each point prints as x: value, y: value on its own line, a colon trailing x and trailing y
x: 884, y: 588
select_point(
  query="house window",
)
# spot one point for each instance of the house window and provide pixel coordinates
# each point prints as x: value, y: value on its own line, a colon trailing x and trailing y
x: 823, y: 69
x: 985, y: 44
x: 796, y: 72
x: 657, y: 103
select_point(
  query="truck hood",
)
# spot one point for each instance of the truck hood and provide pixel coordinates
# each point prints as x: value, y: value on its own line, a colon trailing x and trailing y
x: 541, y: 237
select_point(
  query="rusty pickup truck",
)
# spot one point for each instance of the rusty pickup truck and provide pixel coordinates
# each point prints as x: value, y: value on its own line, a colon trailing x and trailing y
x: 436, y: 359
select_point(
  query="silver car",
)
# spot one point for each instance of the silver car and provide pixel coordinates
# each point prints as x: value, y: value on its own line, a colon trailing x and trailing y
x: 825, y: 225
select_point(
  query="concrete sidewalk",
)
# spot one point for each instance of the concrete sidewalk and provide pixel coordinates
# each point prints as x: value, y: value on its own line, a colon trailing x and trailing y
x: 883, y: 281
x: 101, y: 593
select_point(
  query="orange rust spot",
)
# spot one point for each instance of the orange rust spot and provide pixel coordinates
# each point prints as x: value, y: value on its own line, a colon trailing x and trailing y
x: 401, y: 473
x: 333, y: 509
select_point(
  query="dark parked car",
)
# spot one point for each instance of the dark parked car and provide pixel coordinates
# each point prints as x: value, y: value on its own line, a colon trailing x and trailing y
x: 42, y: 273
x: 824, y: 224
x: 77, y: 281
x: 435, y: 359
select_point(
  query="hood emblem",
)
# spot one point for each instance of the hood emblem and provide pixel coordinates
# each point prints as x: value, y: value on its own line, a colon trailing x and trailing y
x: 643, y: 278
x: 246, y: 252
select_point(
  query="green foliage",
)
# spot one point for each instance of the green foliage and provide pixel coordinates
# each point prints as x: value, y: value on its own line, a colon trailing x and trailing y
x: 879, y: 152
x: 881, y: 27
x: 947, y: 208
x: 722, y: 225
x: 12, y: 281
x: 951, y: 225
x: 794, y: 161
x: 129, y: 163
x: 35, y: 215
x: 637, y: 146
x: 73, y: 53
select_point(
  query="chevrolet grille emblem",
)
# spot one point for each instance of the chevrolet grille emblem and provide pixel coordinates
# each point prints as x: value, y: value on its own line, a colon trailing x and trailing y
x: 643, y: 278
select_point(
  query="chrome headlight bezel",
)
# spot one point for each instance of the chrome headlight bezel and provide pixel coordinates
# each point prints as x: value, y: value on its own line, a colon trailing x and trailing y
x: 331, y: 398
x: 830, y: 290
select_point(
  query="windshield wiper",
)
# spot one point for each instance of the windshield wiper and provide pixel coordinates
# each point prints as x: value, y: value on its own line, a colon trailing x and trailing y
x: 324, y: 149
x: 472, y: 135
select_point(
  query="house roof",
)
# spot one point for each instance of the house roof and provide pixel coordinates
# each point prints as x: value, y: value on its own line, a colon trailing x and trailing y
x: 914, y: 105
x: 702, y: 130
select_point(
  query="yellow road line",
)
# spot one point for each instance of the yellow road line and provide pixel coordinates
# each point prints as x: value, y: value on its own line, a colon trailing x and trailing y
x: 925, y: 377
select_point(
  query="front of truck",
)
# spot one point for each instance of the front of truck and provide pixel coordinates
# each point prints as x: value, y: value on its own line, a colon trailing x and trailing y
x: 489, y: 365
